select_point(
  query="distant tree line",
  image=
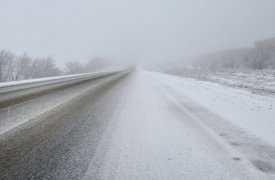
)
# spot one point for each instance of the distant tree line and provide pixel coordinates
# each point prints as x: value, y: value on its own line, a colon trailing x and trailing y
x: 14, y: 67
x: 95, y: 63
x: 259, y: 57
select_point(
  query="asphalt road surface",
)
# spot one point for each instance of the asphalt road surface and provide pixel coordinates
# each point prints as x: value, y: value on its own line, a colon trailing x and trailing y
x: 129, y: 127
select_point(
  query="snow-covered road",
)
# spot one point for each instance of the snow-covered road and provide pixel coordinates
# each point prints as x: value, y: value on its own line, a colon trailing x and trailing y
x: 143, y: 127
x: 153, y: 138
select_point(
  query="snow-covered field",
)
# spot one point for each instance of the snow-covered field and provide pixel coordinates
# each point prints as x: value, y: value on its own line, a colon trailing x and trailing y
x: 257, y: 81
x: 252, y: 112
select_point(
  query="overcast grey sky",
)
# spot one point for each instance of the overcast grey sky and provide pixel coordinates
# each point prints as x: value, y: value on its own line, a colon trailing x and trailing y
x: 138, y: 30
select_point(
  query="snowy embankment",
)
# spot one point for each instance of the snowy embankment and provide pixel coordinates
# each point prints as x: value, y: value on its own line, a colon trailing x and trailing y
x: 257, y: 81
x: 253, y: 113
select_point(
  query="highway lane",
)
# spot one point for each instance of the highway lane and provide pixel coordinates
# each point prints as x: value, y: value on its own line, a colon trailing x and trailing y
x: 128, y: 129
x: 27, y: 111
x: 17, y: 143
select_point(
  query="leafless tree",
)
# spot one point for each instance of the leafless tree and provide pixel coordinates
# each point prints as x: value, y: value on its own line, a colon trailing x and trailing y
x: 44, y: 67
x: 74, y: 68
x: 23, y: 67
x: 6, y: 65
x: 97, y: 63
x: 263, y: 54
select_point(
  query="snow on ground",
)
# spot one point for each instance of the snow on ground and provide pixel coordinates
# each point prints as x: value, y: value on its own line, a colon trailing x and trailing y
x: 149, y: 137
x: 253, y: 113
x: 258, y: 81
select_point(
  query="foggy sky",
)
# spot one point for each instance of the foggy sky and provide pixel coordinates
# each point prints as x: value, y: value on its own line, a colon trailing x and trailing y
x: 135, y: 30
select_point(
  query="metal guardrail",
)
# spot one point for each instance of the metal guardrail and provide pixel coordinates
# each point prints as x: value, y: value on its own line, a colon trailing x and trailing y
x: 19, y: 92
